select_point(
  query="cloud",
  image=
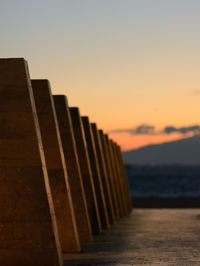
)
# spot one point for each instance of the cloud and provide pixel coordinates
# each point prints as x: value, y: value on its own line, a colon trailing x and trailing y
x: 139, y: 130
x: 183, y: 130
x: 145, y: 129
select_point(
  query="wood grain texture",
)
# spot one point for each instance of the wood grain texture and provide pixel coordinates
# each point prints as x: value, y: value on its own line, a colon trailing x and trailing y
x: 109, y: 174
x: 116, y: 179
x: 73, y: 168
x: 103, y: 172
x: 125, y: 179
x: 112, y: 178
x: 55, y: 162
x: 28, y: 229
x: 119, y: 179
x: 86, y: 172
x: 96, y: 173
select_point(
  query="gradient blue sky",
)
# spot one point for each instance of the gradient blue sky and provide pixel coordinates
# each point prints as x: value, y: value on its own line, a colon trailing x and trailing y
x: 123, y: 62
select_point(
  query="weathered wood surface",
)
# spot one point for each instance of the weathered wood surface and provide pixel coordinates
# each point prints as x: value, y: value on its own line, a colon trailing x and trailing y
x: 28, y: 230
x: 96, y: 173
x: 56, y: 167
x: 73, y: 168
x: 86, y: 172
x: 146, y: 237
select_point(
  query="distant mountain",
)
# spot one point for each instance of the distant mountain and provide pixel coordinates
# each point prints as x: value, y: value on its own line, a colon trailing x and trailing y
x: 182, y: 152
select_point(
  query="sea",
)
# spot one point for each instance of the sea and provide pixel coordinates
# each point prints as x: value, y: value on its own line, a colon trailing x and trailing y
x: 171, y: 181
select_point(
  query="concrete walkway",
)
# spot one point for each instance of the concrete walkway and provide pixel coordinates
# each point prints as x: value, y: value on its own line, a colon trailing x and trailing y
x: 146, y: 237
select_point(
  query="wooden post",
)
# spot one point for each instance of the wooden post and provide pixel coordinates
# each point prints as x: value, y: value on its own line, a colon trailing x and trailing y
x: 109, y: 174
x: 119, y: 177
x: 116, y: 180
x: 124, y: 179
x: 55, y: 161
x: 122, y: 167
x: 114, y: 186
x: 28, y: 229
x: 73, y: 168
x: 103, y: 173
x: 96, y: 173
x: 86, y: 171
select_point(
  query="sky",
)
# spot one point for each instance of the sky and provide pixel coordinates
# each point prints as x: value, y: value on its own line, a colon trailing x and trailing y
x: 127, y: 64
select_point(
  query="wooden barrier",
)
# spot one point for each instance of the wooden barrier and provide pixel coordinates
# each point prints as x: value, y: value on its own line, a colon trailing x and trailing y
x: 73, y: 168
x: 55, y: 161
x: 116, y: 178
x: 109, y: 174
x: 122, y: 168
x: 28, y: 229
x: 113, y: 177
x: 62, y: 179
x: 96, y: 173
x: 103, y: 173
x: 86, y: 172
x: 123, y: 180
x: 119, y: 177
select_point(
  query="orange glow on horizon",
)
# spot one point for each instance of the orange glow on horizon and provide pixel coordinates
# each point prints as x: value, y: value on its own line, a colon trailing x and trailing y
x: 128, y: 141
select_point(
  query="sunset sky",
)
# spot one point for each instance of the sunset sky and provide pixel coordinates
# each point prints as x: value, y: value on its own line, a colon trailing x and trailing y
x: 132, y: 66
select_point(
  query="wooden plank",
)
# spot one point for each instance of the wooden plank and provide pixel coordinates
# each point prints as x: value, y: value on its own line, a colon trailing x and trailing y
x: 119, y: 177
x: 114, y: 188
x: 86, y: 172
x: 28, y: 228
x: 116, y: 180
x: 55, y: 161
x: 103, y: 173
x: 123, y: 180
x: 73, y: 168
x: 96, y: 173
x: 109, y: 174
x: 123, y: 171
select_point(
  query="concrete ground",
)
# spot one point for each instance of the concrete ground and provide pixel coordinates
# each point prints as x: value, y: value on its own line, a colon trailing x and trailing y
x: 146, y: 237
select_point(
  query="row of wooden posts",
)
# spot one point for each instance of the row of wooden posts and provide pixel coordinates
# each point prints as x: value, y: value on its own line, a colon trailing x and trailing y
x: 62, y: 180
